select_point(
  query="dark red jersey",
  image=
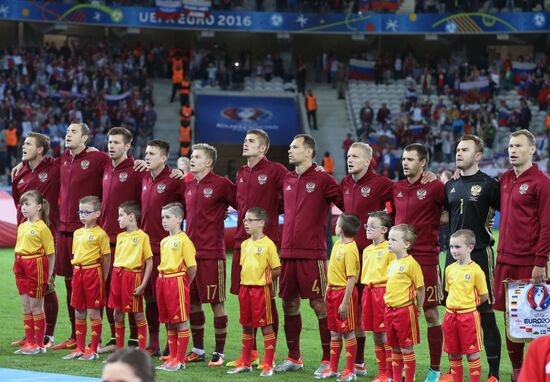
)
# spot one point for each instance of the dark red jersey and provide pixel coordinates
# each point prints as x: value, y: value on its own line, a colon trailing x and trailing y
x: 260, y: 186
x: 120, y: 184
x: 420, y: 205
x: 44, y: 178
x: 307, y: 200
x: 205, y: 204
x: 370, y: 193
x: 80, y: 176
x: 524, y: 218
x: 155, y: 194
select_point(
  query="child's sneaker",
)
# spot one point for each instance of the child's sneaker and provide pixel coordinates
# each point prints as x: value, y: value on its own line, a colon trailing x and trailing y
x: 19, y: 343
x: 217, y: 360
x: 48, y: 342
x: 76, y: 353
x: 327, y: 373
x: 240, y: 369
x: 34, y: 349
x: 325, y: 365
x: 381, y: 378
x: 164, y: 364
x: 89, y: 355
x: 262, y: 365
x: 267, y: 372
x: 174, y: 365
x: 254, y: 360
x: 68, y: 344
x: 433, y: 375
x: 290, y: 364
x: 346, y: 376
x: 23, y: 348
x: 447, y: 377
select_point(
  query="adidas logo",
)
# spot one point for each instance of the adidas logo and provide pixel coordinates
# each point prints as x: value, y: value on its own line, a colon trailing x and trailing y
x: 127, y: 307
x: 94, y: 333
x: 408, y: 340
x: 241, y: 180
x: 270, y: 347
x: 475, y: 373
x: 176, y: 317
x: 141, y: 337
x: 288, y: 188
x: 262, y: 320
x: 382, y: 325
x: 348, y: 354
x: 452, y: 191
x: 117, y: 336
x: 472, y: 347
x: 332, y: 352
x: 78, y: 332
x: 96, y: 301
x: 400, y: 195
x: 27, y: 327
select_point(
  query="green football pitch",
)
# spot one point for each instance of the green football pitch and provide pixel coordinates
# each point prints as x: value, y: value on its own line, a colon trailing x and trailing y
x: 12, y: 328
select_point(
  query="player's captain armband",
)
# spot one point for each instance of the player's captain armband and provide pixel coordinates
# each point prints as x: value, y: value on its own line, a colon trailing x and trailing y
x: 527, y: 310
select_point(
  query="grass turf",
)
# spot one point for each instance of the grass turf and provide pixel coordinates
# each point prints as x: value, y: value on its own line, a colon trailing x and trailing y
x: 11, y: 319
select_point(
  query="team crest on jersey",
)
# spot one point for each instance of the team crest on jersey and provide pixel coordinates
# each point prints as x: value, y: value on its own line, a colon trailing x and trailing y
x: 161, y: 188
x: 262, y: 179
x: 475, y: 190
x: 401, y: 269
x: 123, y: 177
x: 379, y: 253
x: 421, y: 194
x: 259, y: 251
x: 310, y: 187
x: 135, y: 240
x: 468, y: 276
x: 175, y: 244
x: 33, y: 231
x: 207, y: 192
x: 523, y: 188
x: 85, y: 164
x: 43, y: 176
x: 365, y: 191
x: 91, y: 237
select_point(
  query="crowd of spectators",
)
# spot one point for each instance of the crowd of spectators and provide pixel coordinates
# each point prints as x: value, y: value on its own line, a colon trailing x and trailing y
x: 435, y: 112
x: 43, y: 89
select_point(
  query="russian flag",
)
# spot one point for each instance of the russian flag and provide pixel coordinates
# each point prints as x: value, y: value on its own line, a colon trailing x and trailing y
x: 361, y: 70
x: 168, y: 9
x: 521, y: 69
x: 475, y: 89
x: 378, y: 5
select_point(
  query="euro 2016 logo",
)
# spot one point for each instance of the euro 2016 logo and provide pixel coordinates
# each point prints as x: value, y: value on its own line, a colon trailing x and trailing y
x: 538, y: 297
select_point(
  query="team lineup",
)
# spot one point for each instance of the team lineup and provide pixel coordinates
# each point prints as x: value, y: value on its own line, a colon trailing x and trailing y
x: 112, y: 227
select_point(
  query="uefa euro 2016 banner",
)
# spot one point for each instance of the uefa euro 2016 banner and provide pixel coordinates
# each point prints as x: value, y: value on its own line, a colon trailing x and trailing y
x: 225, y: 119
x: 527, y: 310
x: 376, y: 23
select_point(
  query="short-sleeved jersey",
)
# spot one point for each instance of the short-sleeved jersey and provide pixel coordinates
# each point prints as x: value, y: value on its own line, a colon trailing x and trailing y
x: 258, y: 258
x: 177, y: 254
x: 89, y: 246
x: 536, y: 365
x: 132, y: 249
x: 344, y: 263
x: 34, y: 238
x: 404, y: 278
x: 376, y: 260
x: 465, y: 283
x: 471, y: 202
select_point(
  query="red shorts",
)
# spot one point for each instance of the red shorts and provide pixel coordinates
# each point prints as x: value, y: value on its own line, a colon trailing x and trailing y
x: 334, y: 298
x: 374, y: 308
x: 31, y: 275
x: 462, y: 333
x: 235, y: 272
x: 507, y: 271
x: 64, y: 254
x: 88, y: 288
x: 402, y: 326
x: 432, y: 282
x: 208, y: 286
x: 123, y: 284
x: 173, y: 298
x: 303, y: 278
x: 255, y: 306
x: 151, y: 287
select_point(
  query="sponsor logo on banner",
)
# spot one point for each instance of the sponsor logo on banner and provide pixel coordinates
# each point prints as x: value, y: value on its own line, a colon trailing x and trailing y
x: 527, y: 310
